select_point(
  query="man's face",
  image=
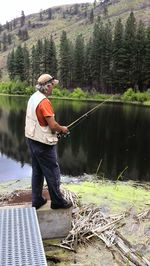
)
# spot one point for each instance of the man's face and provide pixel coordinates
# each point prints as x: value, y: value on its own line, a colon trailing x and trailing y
x: 50, y: 88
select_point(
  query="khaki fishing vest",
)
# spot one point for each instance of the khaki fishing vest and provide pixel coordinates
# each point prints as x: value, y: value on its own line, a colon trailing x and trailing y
x: 33, y: 130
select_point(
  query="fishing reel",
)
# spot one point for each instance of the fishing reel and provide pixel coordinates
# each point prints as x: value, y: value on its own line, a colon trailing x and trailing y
x: 63, y: 135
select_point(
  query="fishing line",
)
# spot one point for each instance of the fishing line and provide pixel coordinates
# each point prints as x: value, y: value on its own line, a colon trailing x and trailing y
x: 80, y: 119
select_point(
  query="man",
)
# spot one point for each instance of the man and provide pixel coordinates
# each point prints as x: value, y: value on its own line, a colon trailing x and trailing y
x: 41, y: 132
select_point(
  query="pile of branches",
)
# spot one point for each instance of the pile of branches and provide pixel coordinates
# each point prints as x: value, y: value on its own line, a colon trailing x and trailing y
x: 89, y: 221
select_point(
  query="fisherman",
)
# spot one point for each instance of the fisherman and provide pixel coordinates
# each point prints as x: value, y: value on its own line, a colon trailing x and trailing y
x: 41, y: 131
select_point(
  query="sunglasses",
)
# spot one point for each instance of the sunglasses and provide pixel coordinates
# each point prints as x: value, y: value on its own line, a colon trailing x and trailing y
x: 51, y: 83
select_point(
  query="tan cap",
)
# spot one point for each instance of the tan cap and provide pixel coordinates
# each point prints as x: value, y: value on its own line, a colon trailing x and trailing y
x: 46, y: 78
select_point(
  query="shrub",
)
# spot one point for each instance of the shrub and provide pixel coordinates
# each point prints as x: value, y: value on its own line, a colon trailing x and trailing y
x: 57, y: 92
x: 18, y: 87
x: 29, y: 90
x: 66, y: 93
x: 78, y: 93
x: 141, y: 97
x: 13, y: 87
x: 129, y: 95
x: 99, y: 96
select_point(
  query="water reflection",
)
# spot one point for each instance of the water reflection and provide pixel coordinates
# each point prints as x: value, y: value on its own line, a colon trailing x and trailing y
x: 118, y: 135
x: 11, y: 168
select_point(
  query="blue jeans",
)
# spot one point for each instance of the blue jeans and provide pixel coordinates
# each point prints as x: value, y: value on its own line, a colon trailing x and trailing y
x: 44, y: 164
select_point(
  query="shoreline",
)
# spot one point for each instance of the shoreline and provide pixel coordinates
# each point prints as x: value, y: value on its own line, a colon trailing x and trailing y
x: 144, y: 104
x: 112, y: 199
x: 116, y: 196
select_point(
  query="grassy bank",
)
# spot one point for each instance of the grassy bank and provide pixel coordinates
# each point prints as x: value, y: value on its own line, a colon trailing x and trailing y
x: 129, y: 96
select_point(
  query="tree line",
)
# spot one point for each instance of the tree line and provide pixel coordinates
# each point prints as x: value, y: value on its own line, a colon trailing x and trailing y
x: 110, y: 61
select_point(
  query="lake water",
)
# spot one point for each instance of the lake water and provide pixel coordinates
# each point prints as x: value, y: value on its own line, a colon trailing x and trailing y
x: 116, y: 135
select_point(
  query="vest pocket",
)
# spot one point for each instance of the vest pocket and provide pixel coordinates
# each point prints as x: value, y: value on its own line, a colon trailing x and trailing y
x: 52, y: 140
x: 30, y: 127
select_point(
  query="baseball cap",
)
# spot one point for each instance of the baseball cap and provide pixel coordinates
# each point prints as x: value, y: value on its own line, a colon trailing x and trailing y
x: 46, y: 78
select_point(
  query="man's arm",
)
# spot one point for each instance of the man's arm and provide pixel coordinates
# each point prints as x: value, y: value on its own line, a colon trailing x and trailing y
x: 54, y: 126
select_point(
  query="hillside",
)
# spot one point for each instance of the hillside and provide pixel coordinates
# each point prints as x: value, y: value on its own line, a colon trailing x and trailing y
x: 74, y: 19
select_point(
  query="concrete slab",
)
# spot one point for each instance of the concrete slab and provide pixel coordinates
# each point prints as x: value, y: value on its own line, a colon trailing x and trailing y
x: 54, y: 223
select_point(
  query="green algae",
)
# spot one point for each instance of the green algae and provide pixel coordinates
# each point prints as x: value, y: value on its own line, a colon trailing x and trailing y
x: 116, y: 196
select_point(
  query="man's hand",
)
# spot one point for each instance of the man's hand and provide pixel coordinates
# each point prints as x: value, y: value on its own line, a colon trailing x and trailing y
x: 64, y: 130
x: 63, y: 133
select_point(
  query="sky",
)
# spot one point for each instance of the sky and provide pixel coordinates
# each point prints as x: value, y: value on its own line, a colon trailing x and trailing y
x: 11, y: 9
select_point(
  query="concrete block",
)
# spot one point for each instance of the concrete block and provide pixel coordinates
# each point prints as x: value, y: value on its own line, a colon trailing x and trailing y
x: 54, y: 223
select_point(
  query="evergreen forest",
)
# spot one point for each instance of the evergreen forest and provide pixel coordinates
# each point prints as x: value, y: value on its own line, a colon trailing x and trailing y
x: 115, y: 58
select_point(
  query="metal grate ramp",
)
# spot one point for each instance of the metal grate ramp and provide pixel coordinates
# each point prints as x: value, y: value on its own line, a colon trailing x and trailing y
x: 20, y: 238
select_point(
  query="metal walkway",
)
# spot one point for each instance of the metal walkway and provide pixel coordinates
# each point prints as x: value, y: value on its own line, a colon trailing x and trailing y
x: 20, y: 238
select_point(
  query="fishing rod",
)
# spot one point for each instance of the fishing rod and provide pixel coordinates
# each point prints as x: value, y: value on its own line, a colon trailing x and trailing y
x: 79, y: 119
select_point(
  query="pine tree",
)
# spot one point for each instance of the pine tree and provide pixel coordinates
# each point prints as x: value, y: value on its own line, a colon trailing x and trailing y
x: 14, y: 23
x: 92, y: 15
x: 1, y: 28
x: 23, y: 34
x: 76, y: 9
x: 140, y: 56
x: 20, y: 34
x: 79, y: 61
x: 118, y: 57
x: 22, y: 18
x: 39, y: 56
x: 130, y: 51
x: 41, y: 15
x: 1, y: 74
x: 7, y: 25
x: 64, y: 63
x: 19, y: 64
x: 107, y: 58
x: 26, y: 64
x: 88, y: 65
x: 53, y: 57
x: 10, y: 26
x: 11, y: 65
x: 95, y: 4
x: 49, y: 13
x: 71, y: 63
x: 34, y: 65
x: 97, y: 55
x: 16, y: 64
x: 9, y: 37
x: 29, y: 24
x: 147, y: 59
x: 4, y: 40
x: 37, y: 65
x: 46, y: 56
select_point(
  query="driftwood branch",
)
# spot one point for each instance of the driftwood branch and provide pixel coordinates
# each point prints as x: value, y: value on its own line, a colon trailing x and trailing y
x: 89, y: 221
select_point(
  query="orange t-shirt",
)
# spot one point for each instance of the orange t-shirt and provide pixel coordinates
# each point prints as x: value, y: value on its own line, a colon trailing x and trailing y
x: 43, y: 110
